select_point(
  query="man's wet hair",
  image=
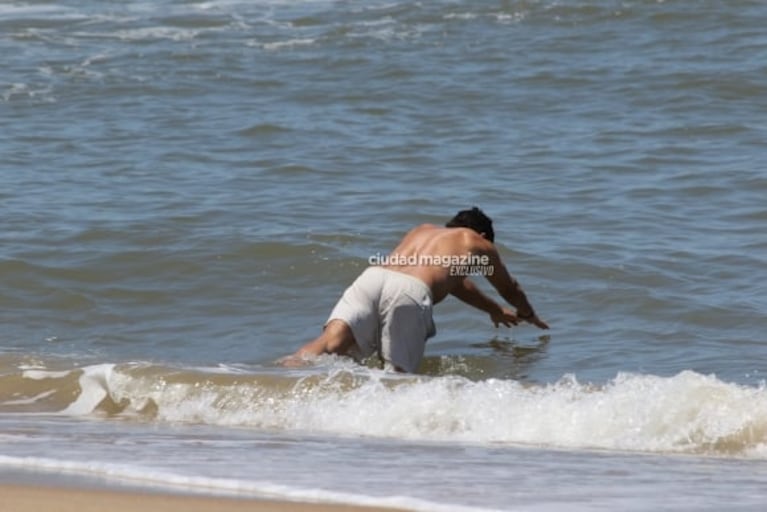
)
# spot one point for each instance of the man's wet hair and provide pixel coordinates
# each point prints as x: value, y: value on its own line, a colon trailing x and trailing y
x: 473, y: 219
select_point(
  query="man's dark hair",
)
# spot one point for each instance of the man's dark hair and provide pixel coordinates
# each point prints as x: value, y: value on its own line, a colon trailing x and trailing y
x: 473, y: 219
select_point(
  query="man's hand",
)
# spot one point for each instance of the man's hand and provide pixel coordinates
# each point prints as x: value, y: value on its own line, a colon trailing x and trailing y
x: 533, y: 319
x: 504, y: 316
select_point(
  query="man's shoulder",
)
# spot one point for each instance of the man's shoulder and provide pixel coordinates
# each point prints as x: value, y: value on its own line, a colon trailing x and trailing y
x: 472, y: 241
x: 424, y: 229
x: 427, y: 226
x: 461, y: 239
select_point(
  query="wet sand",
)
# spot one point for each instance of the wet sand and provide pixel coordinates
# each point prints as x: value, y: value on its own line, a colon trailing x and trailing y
x: 28, y: 498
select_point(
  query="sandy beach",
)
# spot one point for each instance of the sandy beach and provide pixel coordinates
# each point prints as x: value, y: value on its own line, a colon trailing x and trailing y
x: 24, y: 498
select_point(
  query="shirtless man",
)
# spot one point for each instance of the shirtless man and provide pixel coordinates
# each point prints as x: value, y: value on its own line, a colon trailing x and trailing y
x: 388, y: 309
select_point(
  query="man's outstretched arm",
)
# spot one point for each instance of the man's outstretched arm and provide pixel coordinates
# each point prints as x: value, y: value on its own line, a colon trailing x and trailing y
x: 468, y: 292
x: 509, y: 288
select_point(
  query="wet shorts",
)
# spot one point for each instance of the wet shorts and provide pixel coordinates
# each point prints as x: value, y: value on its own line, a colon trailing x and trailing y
x: 389, y: 313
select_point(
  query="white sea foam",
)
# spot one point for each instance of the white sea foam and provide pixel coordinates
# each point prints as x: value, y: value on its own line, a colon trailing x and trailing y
x: 686, y: 413
x: 30, y: 400
x: 14, y: 10
x: 10, y: 92
x: 94, y: 384
x: 290, y: 43
x: 44, y: 374
x: 148, y: 33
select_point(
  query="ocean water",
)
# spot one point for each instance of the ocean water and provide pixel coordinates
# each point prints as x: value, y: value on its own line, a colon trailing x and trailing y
x: 186, y: 188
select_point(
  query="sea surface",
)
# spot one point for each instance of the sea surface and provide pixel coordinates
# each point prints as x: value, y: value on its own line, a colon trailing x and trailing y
x: 187, y: 187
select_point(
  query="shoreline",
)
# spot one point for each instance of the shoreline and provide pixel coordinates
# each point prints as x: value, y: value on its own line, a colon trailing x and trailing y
x: 25, y: 497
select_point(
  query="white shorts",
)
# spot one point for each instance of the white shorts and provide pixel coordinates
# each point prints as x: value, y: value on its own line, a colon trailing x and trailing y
x: 389, y: 313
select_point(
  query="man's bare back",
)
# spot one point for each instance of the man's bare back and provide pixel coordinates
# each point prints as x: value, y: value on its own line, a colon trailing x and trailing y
x: 442, y: 259
x: 427, y: 244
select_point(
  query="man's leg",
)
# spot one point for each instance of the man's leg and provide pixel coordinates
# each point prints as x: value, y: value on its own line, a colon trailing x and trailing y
x: 336, y: 338
x: 406, y: 328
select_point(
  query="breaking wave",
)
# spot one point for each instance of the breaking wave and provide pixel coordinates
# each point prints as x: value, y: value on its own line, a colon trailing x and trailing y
x: 684, y: 413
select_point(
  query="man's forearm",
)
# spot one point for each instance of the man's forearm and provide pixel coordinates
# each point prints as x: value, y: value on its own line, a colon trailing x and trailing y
x: 514, y: 295
x: 508, y: 287
x: 473, y: 296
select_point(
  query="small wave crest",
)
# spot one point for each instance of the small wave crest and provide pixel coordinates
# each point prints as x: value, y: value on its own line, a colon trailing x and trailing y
x: 685, y: 413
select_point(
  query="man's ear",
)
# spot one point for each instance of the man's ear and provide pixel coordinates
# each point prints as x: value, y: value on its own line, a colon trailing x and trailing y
x: 483, y: 235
